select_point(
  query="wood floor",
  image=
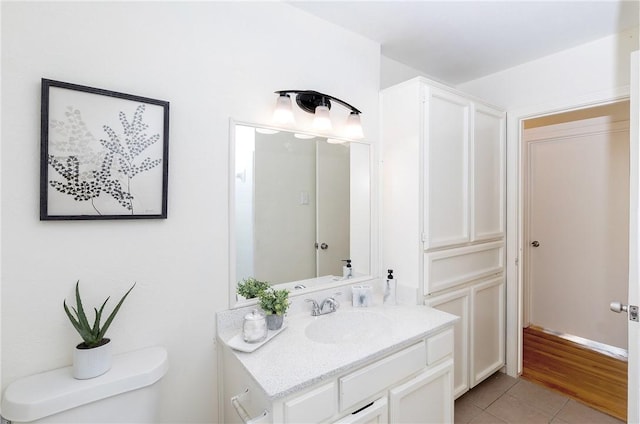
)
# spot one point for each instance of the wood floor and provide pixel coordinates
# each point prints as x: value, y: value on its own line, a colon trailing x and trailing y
x: 581, y: 373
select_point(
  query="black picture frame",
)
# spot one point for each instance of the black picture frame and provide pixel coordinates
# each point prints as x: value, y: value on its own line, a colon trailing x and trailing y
x: 104, y: 154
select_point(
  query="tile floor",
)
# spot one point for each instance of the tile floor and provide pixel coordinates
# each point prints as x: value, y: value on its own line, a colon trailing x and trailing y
x: 504, y: 399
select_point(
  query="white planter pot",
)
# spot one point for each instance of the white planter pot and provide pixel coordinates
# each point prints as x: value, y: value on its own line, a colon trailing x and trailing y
x: 90, y: 363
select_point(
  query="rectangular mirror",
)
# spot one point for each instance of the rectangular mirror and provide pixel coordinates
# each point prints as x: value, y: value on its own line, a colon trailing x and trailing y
x: 301, y: 204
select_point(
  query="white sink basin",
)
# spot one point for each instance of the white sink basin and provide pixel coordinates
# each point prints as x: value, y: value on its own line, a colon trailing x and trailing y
x: 351, y: 326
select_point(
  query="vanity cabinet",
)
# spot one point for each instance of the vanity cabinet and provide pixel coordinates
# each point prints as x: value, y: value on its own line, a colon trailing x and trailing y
x: 443, y: 213
x: 410, y: 384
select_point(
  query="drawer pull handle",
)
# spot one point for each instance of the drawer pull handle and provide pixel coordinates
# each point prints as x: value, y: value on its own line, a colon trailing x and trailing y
x: 242, y: 413
x: 362, y: 409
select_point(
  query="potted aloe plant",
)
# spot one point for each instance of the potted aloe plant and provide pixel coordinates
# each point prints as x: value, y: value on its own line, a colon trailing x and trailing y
x: 250, y: 288
x: 274, y: 303
x: 92, y: 357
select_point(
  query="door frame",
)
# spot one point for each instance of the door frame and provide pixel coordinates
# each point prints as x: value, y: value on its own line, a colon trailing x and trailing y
x: 515, y: 210
x: 556, y: 135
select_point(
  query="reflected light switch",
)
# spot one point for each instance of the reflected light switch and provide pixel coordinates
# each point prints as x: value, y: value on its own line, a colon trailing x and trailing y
x: 304, y: 197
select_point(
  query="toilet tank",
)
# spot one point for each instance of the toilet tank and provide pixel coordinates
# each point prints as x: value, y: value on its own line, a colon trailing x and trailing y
x: 128, y: 393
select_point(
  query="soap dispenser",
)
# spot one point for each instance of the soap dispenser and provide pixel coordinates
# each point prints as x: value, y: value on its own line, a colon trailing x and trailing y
x: 390, y: 289
x: 346, y: 269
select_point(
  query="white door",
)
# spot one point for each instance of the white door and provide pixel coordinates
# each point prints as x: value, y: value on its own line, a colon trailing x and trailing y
x: 333, y: 214
x: 633, y: 411
x: 577, y: 227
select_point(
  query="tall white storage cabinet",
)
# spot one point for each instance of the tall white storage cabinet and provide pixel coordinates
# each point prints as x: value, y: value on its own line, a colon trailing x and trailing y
x: 443, y: 155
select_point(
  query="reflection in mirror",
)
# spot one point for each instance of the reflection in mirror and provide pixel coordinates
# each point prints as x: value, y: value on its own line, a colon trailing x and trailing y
x: 302, y: 206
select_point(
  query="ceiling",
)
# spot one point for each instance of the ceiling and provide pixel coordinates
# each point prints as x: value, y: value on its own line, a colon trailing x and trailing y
x: 458, y: 41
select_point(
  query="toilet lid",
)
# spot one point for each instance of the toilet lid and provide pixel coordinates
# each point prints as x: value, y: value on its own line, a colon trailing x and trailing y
x: 38, y: 396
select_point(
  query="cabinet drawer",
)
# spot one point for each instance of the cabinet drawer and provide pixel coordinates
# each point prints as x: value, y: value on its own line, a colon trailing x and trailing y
x: 376, y: 377
x: 439, y: 346
x: 314, y: 406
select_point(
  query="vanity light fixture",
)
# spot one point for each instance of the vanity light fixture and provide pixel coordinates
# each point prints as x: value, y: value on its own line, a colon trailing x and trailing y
x: 283, y: 113
x: 319, y: 104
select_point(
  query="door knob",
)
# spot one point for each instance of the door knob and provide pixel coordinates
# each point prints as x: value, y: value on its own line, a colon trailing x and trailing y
x: 324, y: 246
x: 618, y: 307
x: 535, y: 243
x: 621, y: 307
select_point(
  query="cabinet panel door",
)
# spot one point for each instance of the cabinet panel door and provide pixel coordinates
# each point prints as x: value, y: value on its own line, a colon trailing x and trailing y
x: 376, y: 413
x: 446, y: 163
x: 457, y: 303
x: 488, y: 173
x: 487, y: 329
x: 427, y: 398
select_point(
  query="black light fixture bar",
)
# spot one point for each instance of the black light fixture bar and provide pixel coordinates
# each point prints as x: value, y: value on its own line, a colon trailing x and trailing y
x: 308, y: 100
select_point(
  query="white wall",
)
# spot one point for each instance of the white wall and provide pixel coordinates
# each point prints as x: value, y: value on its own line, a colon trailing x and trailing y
x: 570, y: 75
x: 393, y: 72
x: 212, y: 61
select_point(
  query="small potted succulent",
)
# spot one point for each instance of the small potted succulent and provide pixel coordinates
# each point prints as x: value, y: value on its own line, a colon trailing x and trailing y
x: 92, y: 357
x: 250, y: 288
x: 274, y: 303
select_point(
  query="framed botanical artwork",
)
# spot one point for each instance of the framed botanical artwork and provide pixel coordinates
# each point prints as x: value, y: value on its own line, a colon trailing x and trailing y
x: 104, y: 155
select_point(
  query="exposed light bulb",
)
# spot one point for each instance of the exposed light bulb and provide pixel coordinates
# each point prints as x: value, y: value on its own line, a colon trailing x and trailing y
x: 283, y: 113
x: 322, y: 120
x: 354, y: 127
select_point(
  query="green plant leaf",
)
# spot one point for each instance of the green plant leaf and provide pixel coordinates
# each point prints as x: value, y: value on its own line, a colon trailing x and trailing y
x: 84, y: 332
x: 250, y: 288
x: 96, y: 325
x: 274, y: 301
x: 84, y: 323
x: 91, y: 335
x: 73, y: 320
x: 113, y: 314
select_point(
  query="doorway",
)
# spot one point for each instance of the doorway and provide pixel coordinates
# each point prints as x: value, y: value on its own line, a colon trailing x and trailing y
x: 576, y: 214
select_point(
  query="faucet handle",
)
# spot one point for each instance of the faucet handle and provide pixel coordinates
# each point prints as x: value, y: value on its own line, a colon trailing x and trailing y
x: 333, y: 303
x: 336, y: 303
x: 315, y: 308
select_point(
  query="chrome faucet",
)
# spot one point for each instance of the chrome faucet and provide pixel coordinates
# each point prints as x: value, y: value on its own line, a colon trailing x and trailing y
x: 317, y: 310
x: 332, y: 304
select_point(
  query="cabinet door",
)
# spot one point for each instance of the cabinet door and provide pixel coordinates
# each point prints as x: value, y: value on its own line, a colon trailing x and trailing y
x: 457, y: 303
x: 375, y: 413
x: 427, y: 398
x: 487, y: 329
x: 488, y: 173
x: 446, y: 167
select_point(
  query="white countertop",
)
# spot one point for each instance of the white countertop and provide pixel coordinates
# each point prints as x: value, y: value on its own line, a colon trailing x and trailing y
x: 291, y: 361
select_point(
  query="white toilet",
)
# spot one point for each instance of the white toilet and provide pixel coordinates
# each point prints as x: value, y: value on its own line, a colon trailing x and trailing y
x: 128, y: 393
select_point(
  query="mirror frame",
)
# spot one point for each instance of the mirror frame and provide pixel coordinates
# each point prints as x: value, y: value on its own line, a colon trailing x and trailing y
x: 233, y: 302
